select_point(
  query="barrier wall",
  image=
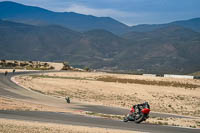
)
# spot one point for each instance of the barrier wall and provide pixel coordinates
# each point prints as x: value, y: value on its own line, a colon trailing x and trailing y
x: 178, y: 76
x: 151, y: 75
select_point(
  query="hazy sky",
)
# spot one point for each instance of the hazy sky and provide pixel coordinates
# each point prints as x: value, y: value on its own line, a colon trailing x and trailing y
x: 130, y: 12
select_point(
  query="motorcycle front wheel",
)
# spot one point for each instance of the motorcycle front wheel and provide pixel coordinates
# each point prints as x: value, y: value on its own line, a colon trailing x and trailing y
x: 125, y: 119
x: 139, y: 118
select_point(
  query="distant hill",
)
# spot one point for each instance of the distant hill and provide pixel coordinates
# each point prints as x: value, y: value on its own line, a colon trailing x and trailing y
x: 171, y: 49
x: 56, y: 43
x: 193, y: 24
x: 21, y: 41
x: 37, y: 16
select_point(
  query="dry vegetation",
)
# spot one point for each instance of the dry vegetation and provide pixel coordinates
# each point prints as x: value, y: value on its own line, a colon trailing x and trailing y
x: 180, y: 96
x: 181, y: 122
x: 37, y: 65
x: 29, y: 65
x: 146, y: 82
x: 16, y: 126
x: 196, y: 74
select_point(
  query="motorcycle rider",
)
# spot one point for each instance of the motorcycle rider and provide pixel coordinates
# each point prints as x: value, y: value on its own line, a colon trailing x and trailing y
x: 67, y: 99
x: 6, y: 73
x: 13, y: 71
x: 135, y: 109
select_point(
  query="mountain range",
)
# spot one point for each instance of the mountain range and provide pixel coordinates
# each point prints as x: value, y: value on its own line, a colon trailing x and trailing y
x: 38, y: 16
x: 33, y: 33
x: 193, y: 24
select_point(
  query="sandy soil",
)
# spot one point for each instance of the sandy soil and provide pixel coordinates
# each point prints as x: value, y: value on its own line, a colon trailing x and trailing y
x: 83, y: 86
x: 10, y: 126
x: 14, y: 104
x: 57, y: 66
x: 181, y: 122
x: 123, y: 76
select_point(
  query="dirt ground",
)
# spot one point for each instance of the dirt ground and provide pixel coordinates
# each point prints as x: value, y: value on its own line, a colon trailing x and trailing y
x: 17, y: 126
x: 57, y: 66
x: 181, y: 122
x: 15, y: 104
x: 183, y: 99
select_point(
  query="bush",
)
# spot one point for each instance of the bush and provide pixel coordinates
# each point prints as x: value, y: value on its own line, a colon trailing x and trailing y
x: 87, y: 69
x: 4, y: 61
x: 66, y: 66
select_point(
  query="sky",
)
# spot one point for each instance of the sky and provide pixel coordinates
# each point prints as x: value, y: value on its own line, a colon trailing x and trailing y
x: 130, y: 12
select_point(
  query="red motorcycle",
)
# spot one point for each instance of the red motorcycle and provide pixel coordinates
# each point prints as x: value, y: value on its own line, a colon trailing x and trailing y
x: 138, y: 113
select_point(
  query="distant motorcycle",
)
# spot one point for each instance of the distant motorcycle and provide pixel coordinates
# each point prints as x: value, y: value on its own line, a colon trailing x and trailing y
x: 138, y: 113
x: 67, y: 99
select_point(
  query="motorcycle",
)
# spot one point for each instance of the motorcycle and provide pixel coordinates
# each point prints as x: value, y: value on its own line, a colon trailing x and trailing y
x: 67, y: 99
x: 138, y: 113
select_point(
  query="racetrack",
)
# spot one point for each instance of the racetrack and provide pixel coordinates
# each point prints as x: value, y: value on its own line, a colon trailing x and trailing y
x: 10, y: 89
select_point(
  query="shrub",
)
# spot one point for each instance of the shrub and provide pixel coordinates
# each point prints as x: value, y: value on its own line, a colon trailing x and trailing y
x: 66, y: 66
x: 87, y: 69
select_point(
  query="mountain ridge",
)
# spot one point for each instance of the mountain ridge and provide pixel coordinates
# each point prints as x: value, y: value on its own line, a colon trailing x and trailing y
x: 193, y: 24
x: 167, y: 50
x: 39, y: 16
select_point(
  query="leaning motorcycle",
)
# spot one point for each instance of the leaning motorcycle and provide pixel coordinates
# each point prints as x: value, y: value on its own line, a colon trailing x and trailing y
x: 138, y: 113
